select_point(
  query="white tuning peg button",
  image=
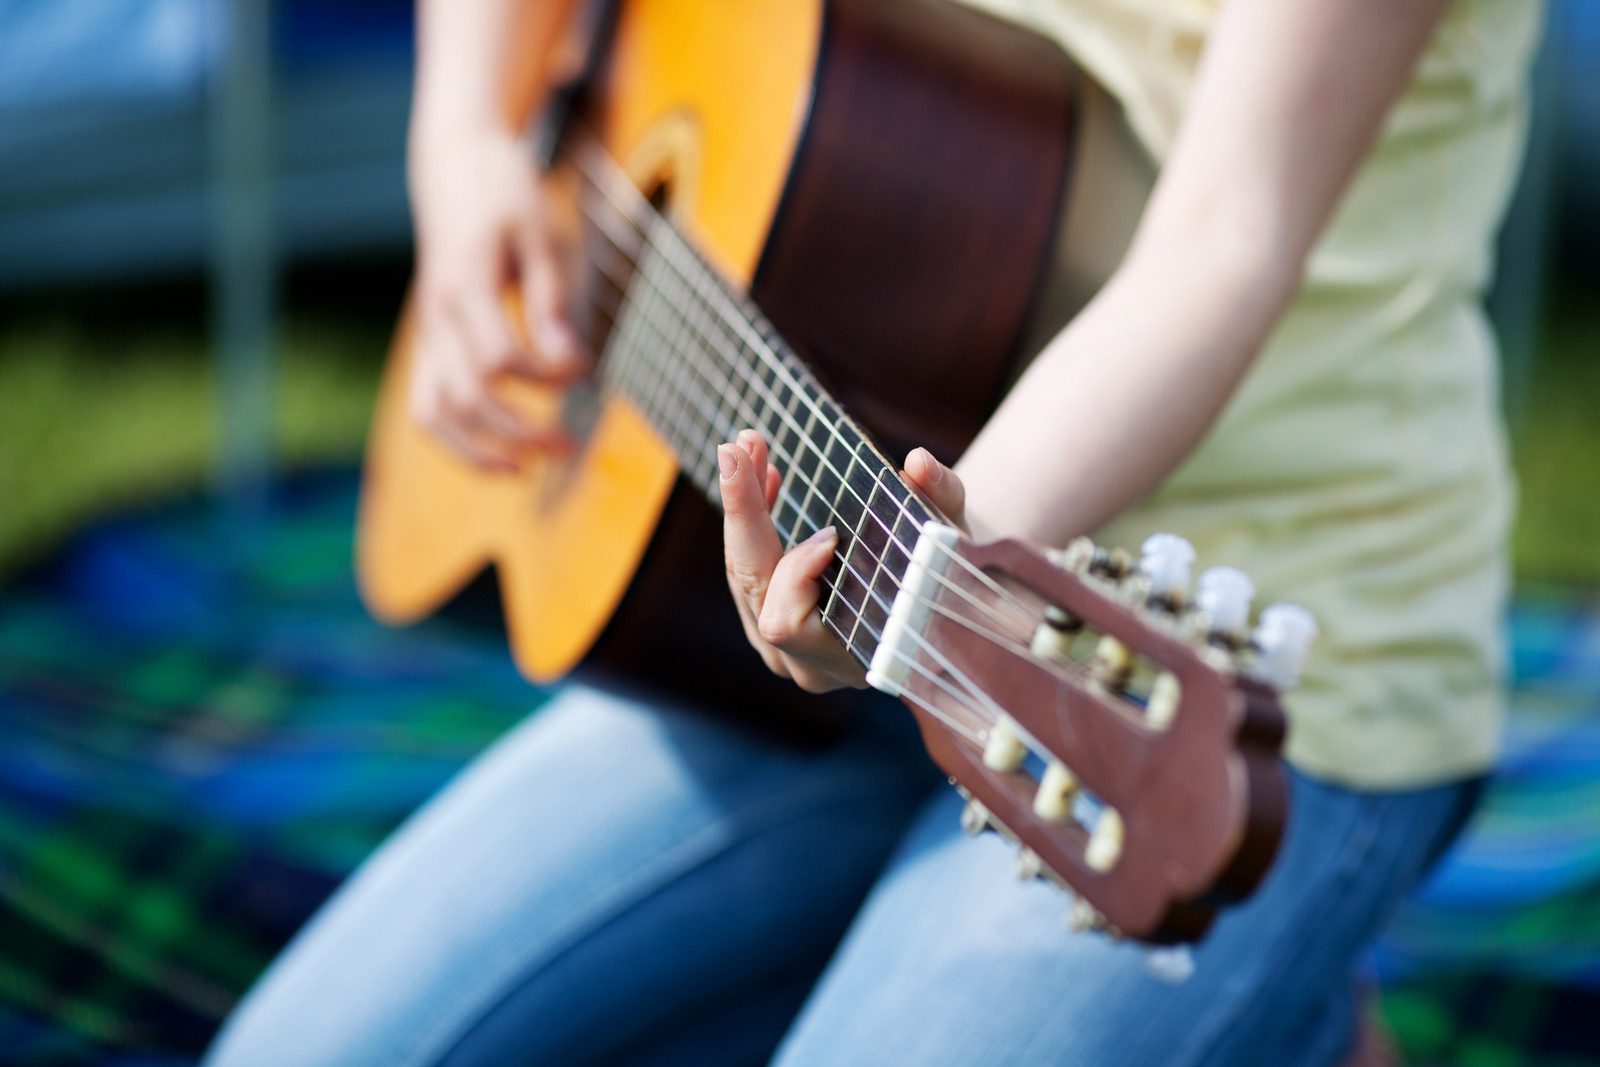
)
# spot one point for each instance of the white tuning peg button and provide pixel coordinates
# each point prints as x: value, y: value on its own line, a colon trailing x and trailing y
x: 1225, y: 598
x: 1283, y: 638
x: 1165, y: 561
x: 1005, y: 749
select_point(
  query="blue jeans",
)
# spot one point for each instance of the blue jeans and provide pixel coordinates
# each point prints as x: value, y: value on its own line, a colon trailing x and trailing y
x: 622, y: 884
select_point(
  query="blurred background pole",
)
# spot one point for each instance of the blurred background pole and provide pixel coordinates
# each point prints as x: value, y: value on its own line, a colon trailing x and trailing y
x: 243, y: 253
x: 1517, y: 302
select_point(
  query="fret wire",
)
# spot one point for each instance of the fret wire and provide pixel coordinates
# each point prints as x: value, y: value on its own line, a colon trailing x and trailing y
x: 831, y: 584
x: 712, y: 284
x: 649, y: 387
x: 676, y: 371
x: 752, y: 387
x: 716, y: 423
x: 873, y: 595
x: 676, y: 241
x: 963, y: 699
x: 901, y: 512
x: 649, y: 309
x: 706, y: 327
x: 894, y: 544
x: 865, y: 655
x: 846, y: 547
x: 876, y: 567
x: 735, y: 318
x: 758, y: 349
x: 770, y: 357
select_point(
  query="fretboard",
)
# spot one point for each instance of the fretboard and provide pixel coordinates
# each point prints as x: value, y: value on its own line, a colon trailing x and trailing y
x: 701, y: 363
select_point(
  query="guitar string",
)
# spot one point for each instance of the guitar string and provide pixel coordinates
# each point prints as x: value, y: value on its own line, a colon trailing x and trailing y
x: 729, y: 312
x: 715, y: 421
x: 1024, y: 612
x: 976, y: 708
x: 984, y: 700
x: 979, y: 692
x: 685, y: 357
x: 760, y: 348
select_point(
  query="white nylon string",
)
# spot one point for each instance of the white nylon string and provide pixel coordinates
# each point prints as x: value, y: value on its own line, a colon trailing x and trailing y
x: 871, y: 589
x: 727, y: 430
x: 714, y: 421
x: 611, y: 183
x: 680, y: 413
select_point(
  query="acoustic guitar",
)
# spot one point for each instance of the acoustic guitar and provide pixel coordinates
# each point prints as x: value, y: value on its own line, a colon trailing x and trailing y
x: 771, y: 195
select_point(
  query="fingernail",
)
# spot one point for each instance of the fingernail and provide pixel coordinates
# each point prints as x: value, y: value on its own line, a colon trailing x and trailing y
x: 827, y: 533
x: 727, y: 462
x: 935, y: 468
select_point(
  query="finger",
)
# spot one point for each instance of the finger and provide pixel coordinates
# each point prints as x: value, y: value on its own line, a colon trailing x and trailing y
x: 437, y: 391
x: 769, y: 655
x: 774, y: 483
x: 788, y: 618
x: 756, y: 448
x: 766, y: 474
x: 482, y: 321
x: 939, y: 483
x: 479, y: 454
x: 818, y: 680
x: 544, y: 300
x: 750, y: 542
x: 492, y: 417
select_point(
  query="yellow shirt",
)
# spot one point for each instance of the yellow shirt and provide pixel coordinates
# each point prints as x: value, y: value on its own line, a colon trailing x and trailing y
x: 1360, y: 469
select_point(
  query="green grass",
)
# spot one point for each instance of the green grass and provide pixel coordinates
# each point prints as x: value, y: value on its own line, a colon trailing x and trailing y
x: 94, y: 417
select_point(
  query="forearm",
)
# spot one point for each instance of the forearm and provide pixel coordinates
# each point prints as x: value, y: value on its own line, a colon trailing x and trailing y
x: 482, y: 64
x: 1121, y: 396
x: 1288, y: 100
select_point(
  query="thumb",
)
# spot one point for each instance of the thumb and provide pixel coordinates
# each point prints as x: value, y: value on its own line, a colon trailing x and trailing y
x: 939, y: 483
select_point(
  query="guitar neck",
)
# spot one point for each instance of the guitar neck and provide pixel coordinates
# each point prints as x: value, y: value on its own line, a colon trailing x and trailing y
x: 701, y: 363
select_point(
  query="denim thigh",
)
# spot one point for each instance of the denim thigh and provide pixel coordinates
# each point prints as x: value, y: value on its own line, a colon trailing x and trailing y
x: 953, y: 962
x: 610, y: 882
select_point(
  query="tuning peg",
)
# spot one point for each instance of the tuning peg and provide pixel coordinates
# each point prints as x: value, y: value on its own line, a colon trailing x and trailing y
x: 1283, y: 638
x: 1052, y: 638
x: 1172, y: 964
x: 1028, y: 866
x: 1105, y: 841
x: 1225, y: 598
x: 1004, y: 750
x: 1112, y: 563
x: 1078, y: 554
x: 1112, y: 664
x: 974, y: 817
x: 1165, y: 561
x: 1081, y: 916
x: 1162, y: 707
x: 1057, y: 787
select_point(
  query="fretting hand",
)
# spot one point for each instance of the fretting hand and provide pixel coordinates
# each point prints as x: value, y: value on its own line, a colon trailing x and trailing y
x: 777, y: 592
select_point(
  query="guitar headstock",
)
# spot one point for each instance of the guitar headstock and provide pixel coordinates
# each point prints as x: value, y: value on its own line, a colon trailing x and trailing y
x: 1125, y: 736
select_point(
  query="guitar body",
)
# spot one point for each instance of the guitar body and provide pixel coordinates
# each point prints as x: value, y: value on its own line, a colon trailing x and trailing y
x: 883, y: 176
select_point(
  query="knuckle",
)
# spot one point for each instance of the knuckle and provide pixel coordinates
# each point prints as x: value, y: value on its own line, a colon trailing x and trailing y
x: 774, y: 630
x: 747, y: 583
